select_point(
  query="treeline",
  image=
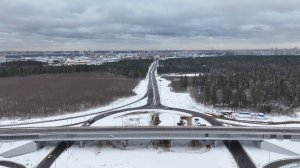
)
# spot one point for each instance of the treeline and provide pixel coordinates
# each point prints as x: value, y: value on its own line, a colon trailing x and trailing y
x: 128, y: 68
x: 264, y: 83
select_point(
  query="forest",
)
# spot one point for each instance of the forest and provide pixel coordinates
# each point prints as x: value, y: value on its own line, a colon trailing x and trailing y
x: 127, y: 68
x: 261, y: 83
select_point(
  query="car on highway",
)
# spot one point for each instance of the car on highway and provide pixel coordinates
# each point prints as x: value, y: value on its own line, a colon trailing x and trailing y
x: 91, y: 121
x: 49, y: 157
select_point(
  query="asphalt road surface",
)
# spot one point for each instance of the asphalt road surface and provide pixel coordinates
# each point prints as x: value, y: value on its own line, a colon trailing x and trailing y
x: 239, y: 155
x: 281, y: 163
x: 51, y: 157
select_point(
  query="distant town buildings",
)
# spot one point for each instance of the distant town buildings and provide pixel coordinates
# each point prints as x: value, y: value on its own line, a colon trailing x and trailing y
x: 294, y: 51
x: 94, y: 57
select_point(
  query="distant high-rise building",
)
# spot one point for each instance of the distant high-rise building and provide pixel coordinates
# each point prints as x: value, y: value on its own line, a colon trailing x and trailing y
x: 2, y: 59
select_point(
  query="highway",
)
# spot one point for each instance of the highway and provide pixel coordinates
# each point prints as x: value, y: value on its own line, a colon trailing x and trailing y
x: 149, y: 133
x: 239, y: 154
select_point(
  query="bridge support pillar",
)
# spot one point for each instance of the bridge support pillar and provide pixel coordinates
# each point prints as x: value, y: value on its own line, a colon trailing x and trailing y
x: 80, y: 144
x: 216, y: 143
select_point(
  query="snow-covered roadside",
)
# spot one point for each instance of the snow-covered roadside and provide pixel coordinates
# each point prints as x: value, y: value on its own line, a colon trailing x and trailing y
x: 140, y: 90
x: 178, y: 100
x: 182, y: 74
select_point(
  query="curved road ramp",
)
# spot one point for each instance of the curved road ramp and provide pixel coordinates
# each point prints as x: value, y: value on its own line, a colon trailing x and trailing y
x: 11, y: 164
x: 284, y: 163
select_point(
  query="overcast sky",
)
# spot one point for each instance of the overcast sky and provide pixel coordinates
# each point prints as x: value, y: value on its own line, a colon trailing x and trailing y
x: 148, y: 24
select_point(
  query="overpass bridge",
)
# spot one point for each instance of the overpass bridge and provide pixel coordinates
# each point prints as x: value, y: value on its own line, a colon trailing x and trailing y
x: 148, y: 133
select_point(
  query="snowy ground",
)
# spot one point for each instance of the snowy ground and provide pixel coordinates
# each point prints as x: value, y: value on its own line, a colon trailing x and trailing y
x: 240, y: 123
x: 267, y: 118
x: 181, y: 74
x: 5, y: 146
x: 143, y: 118
x: 131, y: 118
x: 262, y: 157
x: 142, y: 154
x: 178, y: 100
x: 293, y: 146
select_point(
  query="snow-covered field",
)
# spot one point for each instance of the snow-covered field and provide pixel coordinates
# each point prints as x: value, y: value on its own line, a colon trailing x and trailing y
x: 144, y: 156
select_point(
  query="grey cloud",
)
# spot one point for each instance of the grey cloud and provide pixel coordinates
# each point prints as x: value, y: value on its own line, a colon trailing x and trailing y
x: 70, y: 24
